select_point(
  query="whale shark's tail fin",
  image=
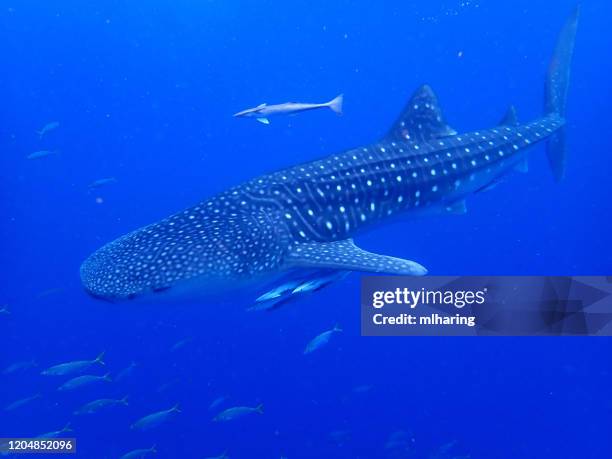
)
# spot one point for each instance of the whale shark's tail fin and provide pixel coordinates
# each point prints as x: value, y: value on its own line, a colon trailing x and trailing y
x: 557, y: 83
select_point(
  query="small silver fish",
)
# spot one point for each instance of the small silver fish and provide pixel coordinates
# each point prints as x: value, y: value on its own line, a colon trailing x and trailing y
x: 168, y: 385
x: 57, y: 433
x: 153, y: 420
x: 85, y: 380
x: 362, y: 389
x: 139, y: 453
x: 100, y: 404
x: 262, y: 112
x: 19, y: 366
x: 180, y: 344
x: 4, y: 309
x: 223, y: 455
x: 340, y: 437
x: 126, y: 372
x: 102, y: 182
x: 401, y: 442
x: 321, y: 340
x: 217, y: 402
x: 77, y: 366
x: 446, y: 448
x: 41, y: 154
x: 237, y: 412
x: 21, y: 402
x: 49, y: 292
x: 48, y: 128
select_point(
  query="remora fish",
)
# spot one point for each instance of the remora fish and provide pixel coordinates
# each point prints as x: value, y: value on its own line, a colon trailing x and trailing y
x: 22, y: 402
x: 41, y: 154
x: 139, y: 453
x: 97, y: 405
x: 85, y: 380
x: 298, y: 223
x: 70, y: 368
x: 262, y: 112
x: 237, y: 412
x: 153, y: 420
x: 47, y: 128
x: 321, y: 340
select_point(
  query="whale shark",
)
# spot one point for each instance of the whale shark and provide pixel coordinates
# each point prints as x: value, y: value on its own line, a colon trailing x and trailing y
x: 290, y: 232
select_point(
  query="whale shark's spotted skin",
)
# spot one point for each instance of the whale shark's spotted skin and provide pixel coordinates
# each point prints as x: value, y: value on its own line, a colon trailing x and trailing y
x: 331, y: 199
x: 300, y: 221
x: 257, y: 228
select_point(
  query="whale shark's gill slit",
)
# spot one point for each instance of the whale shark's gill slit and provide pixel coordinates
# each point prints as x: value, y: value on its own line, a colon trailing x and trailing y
x: 288, y: 193
x: 260, y: 199
x: 161, y: 288
x: 303, y: 227
x: 312, y: 198
x: 299, y: 213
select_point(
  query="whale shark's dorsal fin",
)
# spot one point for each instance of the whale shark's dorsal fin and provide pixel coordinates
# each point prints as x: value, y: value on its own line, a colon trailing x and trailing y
x: 510, y: 118
x: 422, y: 119
x: 346, y: 256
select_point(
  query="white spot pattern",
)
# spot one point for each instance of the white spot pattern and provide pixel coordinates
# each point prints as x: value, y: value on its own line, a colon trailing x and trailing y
x: 250, y: 229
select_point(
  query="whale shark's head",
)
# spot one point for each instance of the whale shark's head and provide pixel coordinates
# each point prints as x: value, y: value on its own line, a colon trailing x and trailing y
x: 210, y: 248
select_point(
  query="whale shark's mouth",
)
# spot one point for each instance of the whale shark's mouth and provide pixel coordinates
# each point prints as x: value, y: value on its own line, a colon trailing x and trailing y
x: 101, y: 280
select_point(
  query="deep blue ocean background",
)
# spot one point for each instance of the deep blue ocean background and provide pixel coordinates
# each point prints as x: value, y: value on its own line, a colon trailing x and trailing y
x: 144, y: 92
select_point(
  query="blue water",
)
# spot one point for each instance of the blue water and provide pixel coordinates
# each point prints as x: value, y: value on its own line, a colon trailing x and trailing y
x: 144, y: 92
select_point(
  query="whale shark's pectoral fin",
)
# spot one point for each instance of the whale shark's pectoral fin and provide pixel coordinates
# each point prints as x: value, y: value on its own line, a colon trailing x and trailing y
x: 346, y: 256
x: 263, y: 120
